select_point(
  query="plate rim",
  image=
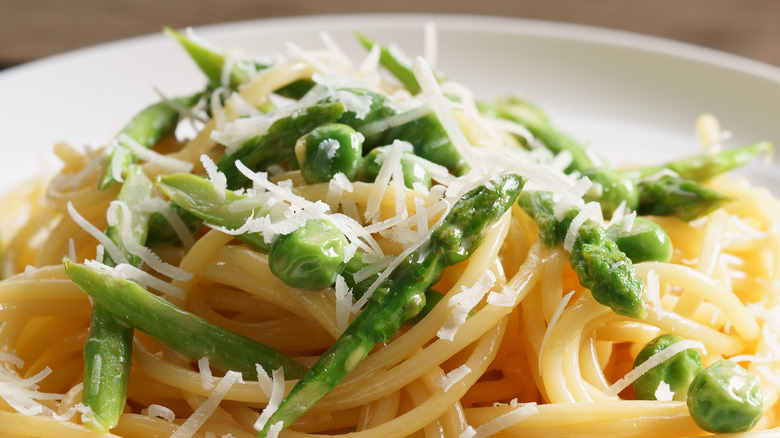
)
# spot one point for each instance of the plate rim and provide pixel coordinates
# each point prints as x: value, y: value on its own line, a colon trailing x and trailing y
x: 470, y: 22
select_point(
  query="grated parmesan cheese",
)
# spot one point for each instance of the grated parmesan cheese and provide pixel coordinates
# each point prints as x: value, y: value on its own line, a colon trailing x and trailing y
x: 507, y: 420
x: 204, y: 411
x: 100, y: 236
x: 205, y: 373
x: 160, y: 411
x: 343, y: 303
x: 553, y: 321
x: 463, y: 302
x: 588, y: 211
x: 275, y: 399
x: 429, y: 87
x: 454, y: 377
x: 168, y: 164
x: 653, y: 292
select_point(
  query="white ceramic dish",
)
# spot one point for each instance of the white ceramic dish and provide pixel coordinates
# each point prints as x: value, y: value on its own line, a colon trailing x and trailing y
x: 636, y: 97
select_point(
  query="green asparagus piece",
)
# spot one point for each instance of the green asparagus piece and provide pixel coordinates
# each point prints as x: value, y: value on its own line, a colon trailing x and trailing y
x: 725, y: 398
x: 395, y: 64
x: 186, y: 333
x: 147, y: 128
x: 597, y: 260
x: 211, y: 63
x: 310, y: 257
x: 278, y: 144
x: 402, y: 295
x: 198, y: 196
x: 328, y: 150
x: 672, y: 196
x: 611, y: 188
x: 430, y: 142
x: 678, y: 372
x: 537, y: 123
x: 109, y: 345
x: 643, y: 241
x: 705, y: 166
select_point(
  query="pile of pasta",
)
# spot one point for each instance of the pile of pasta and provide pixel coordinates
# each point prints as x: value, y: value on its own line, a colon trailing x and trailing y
x: 537, y: 356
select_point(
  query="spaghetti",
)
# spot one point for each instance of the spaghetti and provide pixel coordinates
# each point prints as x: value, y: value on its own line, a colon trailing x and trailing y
x: 516, y: 346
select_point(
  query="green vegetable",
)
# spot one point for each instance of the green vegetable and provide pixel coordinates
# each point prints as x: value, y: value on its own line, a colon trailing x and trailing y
x: 186, y: 333
x: 146, y: 128
x: 278, y: 144
x: 538, y: 124
x: 725, y: 398
x: 402, y: 295
x: 645, y: 241
x: 598, y: 262
x: 310, y: 257
x: 705, y: 166
x: 612, y: 188
x: 413, y: 171
x: 109, y: 345
x: 672, y: 196
x: 678, y: 372
x: 394, y: 62
x: 328, y: 150
x: 430, y: 142
x: 211, y: 63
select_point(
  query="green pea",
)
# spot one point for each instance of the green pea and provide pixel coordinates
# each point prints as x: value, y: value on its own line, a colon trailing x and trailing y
x: 328, y: 150
x: 310, y: 257
x: 645, y: 241
x: 610, y: 188
x: 678, y: 372
x: 725, y: 398
x: 413, y: 171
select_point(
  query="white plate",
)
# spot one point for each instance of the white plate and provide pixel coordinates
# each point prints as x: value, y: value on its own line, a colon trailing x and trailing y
x: 635, y: 97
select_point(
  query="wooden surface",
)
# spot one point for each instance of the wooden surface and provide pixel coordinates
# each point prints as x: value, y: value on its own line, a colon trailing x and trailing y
x: 31, y: 29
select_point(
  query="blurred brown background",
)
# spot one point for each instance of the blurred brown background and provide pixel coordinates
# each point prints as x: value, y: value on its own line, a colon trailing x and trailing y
x: 31, y: 29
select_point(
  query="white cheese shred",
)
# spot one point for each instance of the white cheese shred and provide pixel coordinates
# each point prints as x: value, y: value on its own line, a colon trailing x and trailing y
x: 463, y: 302
x: 205, y: 373
x: 505, y: 421
x: 343, y: 303
x: 169, y: 164
x: 204, y: 411
x: 553, y: 321
x: 651, y: 362
x: 653, y: 292
x: 217, y: 178
x: 275, y: 399
x: 454, y: 377
x: 431, y: 90
x: 100, y: 236
x: 586, y: 213
x: 160, y: 411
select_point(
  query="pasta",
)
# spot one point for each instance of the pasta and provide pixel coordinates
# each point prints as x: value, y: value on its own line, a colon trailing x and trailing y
x: 517, y: 346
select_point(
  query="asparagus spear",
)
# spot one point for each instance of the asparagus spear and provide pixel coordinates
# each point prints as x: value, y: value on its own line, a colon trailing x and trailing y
x: 673, y: 196
x: 679, y: 196
x: 401, y: 296
x: 395, y: 64
x: 278, y: 144
x: 186, y: 333
x: 211, y: 64
x: 705, y: 166
x: 108, y: 348
x: 147, y: 128
x: 597, y: 260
